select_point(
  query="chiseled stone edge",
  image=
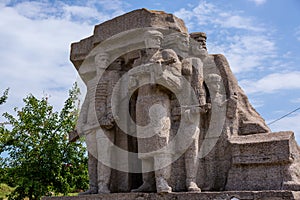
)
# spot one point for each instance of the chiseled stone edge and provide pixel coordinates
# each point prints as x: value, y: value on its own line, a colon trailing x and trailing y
x: 253, y: 195
x: 140, y: 18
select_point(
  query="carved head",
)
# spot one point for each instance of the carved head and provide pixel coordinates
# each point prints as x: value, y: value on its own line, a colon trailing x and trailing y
x: 153, y: 39
x: 177, y: 41
x: 102, y: 60
x: 213, y: 82
x: 168, y: 54
x: 200, y: 37
x: 117, y: 64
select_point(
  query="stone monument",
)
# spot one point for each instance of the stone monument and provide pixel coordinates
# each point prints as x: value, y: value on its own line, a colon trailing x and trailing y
x: 162, y: 115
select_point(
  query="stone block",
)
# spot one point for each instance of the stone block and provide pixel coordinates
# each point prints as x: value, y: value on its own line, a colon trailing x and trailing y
x: 141, y: 18
x: 262, y: 161
x: 230, y: 195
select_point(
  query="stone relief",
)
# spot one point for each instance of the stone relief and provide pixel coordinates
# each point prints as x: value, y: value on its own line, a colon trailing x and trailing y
x: 162, y: 115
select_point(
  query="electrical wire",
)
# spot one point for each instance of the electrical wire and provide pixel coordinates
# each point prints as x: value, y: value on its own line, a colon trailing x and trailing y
x: 272, y: 122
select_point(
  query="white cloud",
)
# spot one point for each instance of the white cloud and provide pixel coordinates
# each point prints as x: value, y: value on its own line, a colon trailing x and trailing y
x: 35, y: 54
x: 187, y: 16
x: 83, y: 12
x: 207, y: 13
x: 112, y: 5
x: 245, y: 42
x: 259, y: 2
x: 272, y: 83
x: 288, y: 123
x: 34, y: 10
x: 35, y: 45
x: 238, y: 22
x: 245, y: 52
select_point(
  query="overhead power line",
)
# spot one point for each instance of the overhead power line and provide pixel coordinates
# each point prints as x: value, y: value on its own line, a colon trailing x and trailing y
x: 272, y: 122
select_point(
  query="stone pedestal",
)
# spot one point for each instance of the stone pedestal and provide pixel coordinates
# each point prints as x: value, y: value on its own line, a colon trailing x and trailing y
x: 264, y: 162
x: 232, y: 195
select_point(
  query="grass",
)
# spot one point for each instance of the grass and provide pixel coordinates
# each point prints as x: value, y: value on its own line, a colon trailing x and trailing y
x: 73, y: 194
x: 5, y: 190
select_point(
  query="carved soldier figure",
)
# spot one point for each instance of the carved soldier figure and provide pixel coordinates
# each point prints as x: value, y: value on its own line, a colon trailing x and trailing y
x: 105, y: 139
x: 192, y: 70
x: 214, y: 145
x: 97, y: 132
x: 87, y: 125
x: 191, y: 132
x: 154, y: 100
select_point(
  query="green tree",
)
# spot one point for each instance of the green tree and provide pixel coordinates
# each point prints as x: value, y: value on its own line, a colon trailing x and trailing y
x: 41, y: 159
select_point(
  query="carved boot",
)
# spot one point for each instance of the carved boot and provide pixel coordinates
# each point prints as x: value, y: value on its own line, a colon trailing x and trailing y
x: 192, y: 186
x: 103, y: 188
x: 162, y: 174
x: 103, y: 178
x: 191, y: 165
x: 92, y: 190
x: 92, y: 169
x: 148, y: 183
x: 162, y: 185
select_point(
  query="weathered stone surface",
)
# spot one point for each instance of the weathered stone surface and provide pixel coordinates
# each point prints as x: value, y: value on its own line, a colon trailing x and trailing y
x: 146, y: 76
x: 248, y: 119
x: 141, y: 18
x: 138, y: 19
x: 264, y: 162
x: 232, y: 195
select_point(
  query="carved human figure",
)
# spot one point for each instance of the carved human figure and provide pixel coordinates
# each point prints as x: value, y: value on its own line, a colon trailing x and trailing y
x: 218, y: 99
x: 212, y: 145
x: 87, y: 125
x: 153, y: 112
x: 192, y: 70
x: 105, y: 139
x: 96, y: 131
x: 190, y: 144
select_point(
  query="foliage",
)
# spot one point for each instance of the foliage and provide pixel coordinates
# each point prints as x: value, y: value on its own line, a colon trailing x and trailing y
x: 6, y: 176
x: 41, y: 159
x: 4, y: 96
x: 5, y: 190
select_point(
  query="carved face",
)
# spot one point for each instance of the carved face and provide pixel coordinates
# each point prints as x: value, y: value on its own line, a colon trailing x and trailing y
x: 198, y: 49
x: 202, y: 42
x: 215, y: 87
x: 101, y: 60
x: 213, y: 82
x: 117, y: 64
x: 119, y: 61
x: 153, y: 42
x: 183, y: 43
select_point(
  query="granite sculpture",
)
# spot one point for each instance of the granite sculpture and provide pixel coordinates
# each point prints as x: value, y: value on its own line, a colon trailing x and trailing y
x: 163, y: 115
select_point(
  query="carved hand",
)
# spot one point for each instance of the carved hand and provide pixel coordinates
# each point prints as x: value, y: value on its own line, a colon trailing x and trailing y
x: 205, y: 108
x: 169, y: 61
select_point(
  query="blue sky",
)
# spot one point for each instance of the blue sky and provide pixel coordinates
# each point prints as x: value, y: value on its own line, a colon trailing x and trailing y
x: 260, y: 39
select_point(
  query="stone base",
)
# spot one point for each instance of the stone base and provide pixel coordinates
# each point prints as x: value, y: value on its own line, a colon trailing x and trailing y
x: 268, y: 161
x: 228, y: 195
